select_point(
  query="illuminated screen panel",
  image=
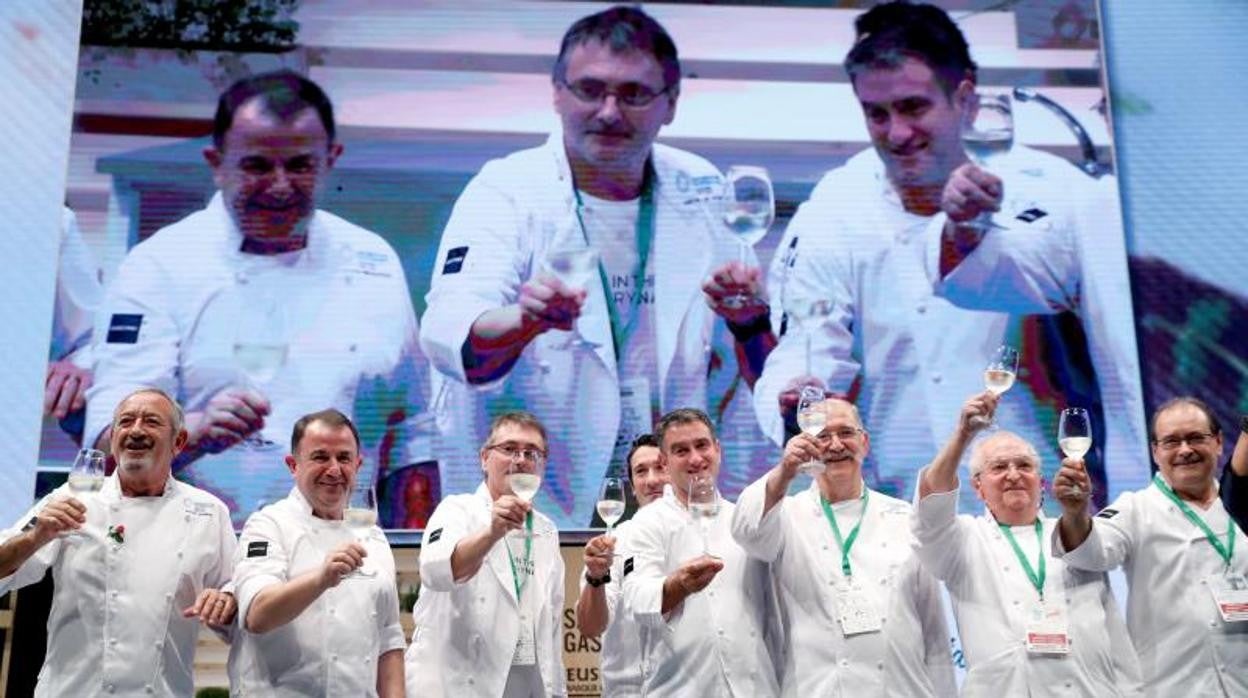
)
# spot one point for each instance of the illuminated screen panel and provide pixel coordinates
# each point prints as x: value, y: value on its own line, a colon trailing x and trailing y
x: 423, y: 105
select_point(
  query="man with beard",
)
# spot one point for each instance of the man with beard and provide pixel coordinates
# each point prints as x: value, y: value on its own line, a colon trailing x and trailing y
x: 137, y: 565
x: 317, y: 598
x: 600, y: 609
x: 593, y: 357
x: 861, y: 617
x: 260, y: 308
x: 1187, y: 610
x: 1030, y: 624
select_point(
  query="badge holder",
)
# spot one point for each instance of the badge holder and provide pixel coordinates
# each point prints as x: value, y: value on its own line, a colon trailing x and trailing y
x: 1048, y: 629
x: 1230, y: 594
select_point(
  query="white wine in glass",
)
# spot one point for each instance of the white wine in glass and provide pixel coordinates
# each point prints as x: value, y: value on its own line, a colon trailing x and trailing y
x: 611, y: 501
x: 260, y: 349
x: 1074, y: 436
x: 987, y: 133
x: 704, y: 507
x: 811, y: 419
x: 524, y: 484
x: 749, y: 210
x: 86, y: 477
x: 574, y: 267
x: 360, y: 516
x: 1001, y: 372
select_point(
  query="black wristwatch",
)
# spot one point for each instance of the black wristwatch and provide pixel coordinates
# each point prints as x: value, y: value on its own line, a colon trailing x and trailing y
x: 1243, y: 423
x: 597, y: 582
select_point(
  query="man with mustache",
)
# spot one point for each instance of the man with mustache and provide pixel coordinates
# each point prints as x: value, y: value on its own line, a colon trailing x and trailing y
x: 857, y: 267
x: 261, y: 308
x: 599, y: 610
x: 706, y: 607
x: 1030, y: 625
x: 1183, y: 555
x: 593, y: 357
x: 860, y: 615
x: 317, y: 600
x: 137, y: 565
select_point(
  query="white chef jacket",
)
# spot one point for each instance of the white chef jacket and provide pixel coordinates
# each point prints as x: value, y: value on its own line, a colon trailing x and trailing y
x: 78, y: 295
x: 992, y: 598
x: 116, y: 624
x: 1031, y: 268
x: 352, y: 341
x: 620, y: 661
x: 718, y: 641
x: 507, y: 217
x: 852, y: 276
x: 466, y: 631
x: 1184, y: 646
x: 908, y: 658
x: 330, y: 649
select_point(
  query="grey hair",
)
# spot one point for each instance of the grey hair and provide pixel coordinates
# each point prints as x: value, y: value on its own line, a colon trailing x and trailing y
x: 977, y: 450
x: 178, y: 417
x: 853, y: 411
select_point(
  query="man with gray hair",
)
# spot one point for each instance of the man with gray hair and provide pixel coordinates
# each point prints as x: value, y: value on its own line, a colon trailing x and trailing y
x: 1030, y: 625
x: 138, y: 564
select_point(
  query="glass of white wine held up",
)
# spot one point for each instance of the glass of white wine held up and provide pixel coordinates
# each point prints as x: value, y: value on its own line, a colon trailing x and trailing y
x: 524, y: 478
x: 574, y: 267
x: 811, y: 419
x: 1000, y: 374
x: 1074, y: 436
x: 749, y: 210
x: 360, y: 517
x: 86, y: 477
x: 261, y: 345
x: 703, y: 506
x: 987, y: 134
x: 611, y: 501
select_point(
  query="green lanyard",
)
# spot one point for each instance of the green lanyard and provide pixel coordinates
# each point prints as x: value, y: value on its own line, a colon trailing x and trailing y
x: 1226, y: 552
x: 1037, y: 580
x: 528, y: 557
x: 845, y: 543
x: 620, y: 330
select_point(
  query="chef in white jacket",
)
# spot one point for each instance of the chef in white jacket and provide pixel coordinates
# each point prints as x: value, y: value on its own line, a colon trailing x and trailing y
x: 1184, y: 557
x: 489, y: 617
x: 137, y: 565
x: 705, y: 603
x: 1030, y: 625
x: 596, y: 367
x: 600, y: 609
x: 861, y: 617
x: 317, y: 599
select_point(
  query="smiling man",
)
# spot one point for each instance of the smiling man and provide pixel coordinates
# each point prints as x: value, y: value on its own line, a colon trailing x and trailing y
x: 1183, y: 554
x: 261, y: 307
x: 860, y: 615
x: 704, y: 604
x: 137, y: 565
x: 593, y: 357
x: 318, y: 603
x: 1030, y: 625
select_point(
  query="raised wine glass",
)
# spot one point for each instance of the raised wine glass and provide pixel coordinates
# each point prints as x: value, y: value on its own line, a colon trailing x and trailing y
x: 1074, y: 436
x: 749, y: 210
x: 987, y: 134
x: 811, y: 419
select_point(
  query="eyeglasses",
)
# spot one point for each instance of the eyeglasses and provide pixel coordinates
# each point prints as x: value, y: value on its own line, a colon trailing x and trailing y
x: 520, y: 453
x: 1195, y: 440
x: 1002, y: 468
x: 633, y: 95
x: 843, y: 435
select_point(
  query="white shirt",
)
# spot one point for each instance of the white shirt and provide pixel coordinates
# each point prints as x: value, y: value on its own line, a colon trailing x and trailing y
x: 508, y: 216
x: 78, y: 295
x: 351, y: 340
x: 467, y: 630
x: 853, y: 277
x: 1185, y: 648
x: 620, y: 660
x: 909, y: 656
x: 116, y: 624
x: 993, y: 597
x: 1080, y: 268
x: 332, y: 647
x: 716, y: 642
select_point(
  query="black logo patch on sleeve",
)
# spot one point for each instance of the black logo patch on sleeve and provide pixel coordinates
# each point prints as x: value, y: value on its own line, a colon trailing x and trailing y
x: 1032, y: 215
x: 1107, y: 514
x: 123, y: 328
x: 628, y: 566
x: 454, y: 260
x: 258, y: 548
x: 433, y: 537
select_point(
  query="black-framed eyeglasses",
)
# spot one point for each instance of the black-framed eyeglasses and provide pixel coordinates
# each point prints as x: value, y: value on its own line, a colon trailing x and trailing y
x: 1195, y: 440
x: 633, y: 95
x: 519, y: 453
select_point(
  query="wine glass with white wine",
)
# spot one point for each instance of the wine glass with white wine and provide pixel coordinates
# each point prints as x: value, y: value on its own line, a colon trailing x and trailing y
x: 260, y: 349
x: 524, y: 480
x: 811, y: 419
x: 86, y: 477
x: 987, y: 134
x: 703, y: 506
x: 360, y: 517
x: 1001, y: 372
x: 574, y: 267
x: 611, y: 501
x: 1074, y: 436
x: 749, y: 210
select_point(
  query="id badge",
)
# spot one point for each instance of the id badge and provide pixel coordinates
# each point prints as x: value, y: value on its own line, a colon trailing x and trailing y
x: 856, y: 610
x: 526, y: 646
x: 1230, y: 593
x: 1048, y: 629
